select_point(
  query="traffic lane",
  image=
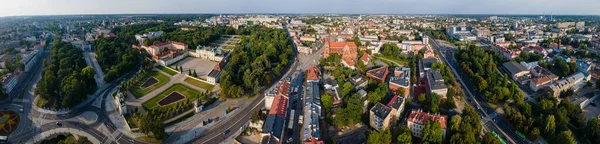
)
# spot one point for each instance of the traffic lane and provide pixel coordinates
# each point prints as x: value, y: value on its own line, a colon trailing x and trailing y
x: 487, y: 109
x: 216, y: 135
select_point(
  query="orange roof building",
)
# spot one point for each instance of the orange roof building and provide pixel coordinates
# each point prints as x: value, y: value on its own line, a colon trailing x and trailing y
x: 417, y: 120
x: 314, y: 74
x: 348, y: 51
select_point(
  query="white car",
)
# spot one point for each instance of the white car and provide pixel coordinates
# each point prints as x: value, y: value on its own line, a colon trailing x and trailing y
x: 20, y: 110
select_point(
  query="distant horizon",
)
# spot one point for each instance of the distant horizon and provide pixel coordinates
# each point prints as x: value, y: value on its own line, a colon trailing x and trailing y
x: 441, y: 14
x: 397, y: 7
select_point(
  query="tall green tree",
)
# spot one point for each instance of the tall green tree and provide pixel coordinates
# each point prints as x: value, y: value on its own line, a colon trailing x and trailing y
x: 380, y: 137
x: 432, y: 132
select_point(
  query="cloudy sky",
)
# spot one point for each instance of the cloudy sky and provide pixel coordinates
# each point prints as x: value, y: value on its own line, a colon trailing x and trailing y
x: 60, y: 7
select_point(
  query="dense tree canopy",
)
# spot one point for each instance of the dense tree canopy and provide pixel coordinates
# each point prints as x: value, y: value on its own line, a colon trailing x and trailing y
x: 466, y: 127
x: 66, y: 80
x: 351, y: 113
x: 251, y: 62
x: 432, y: 133
x: 380, y: 137
x: 115, y: 56
x: 481, y: 66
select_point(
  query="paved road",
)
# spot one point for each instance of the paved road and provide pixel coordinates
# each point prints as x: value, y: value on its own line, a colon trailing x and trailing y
x: 488, y: 114
x: 29, y: 130
x: 215, y: 134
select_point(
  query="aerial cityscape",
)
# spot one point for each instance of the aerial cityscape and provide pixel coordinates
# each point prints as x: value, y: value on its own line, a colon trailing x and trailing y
x: 303, y: 75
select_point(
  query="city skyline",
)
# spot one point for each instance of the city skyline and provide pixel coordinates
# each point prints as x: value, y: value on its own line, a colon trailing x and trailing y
x: 73, y: 7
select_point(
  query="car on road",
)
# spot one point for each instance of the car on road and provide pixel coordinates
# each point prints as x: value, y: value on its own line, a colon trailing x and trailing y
x: 226, y: 131
x: 58, y: 124
x: 20, y: 110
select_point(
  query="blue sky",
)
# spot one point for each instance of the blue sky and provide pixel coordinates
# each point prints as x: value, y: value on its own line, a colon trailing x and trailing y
x: 54, y: 7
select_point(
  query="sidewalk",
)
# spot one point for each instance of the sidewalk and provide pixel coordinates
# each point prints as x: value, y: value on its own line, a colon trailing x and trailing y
x: 86, y: 102
x: 40, y: 137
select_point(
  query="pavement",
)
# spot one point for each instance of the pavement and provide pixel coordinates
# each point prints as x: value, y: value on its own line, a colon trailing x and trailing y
x: 237, y: 120
x: 490, y: 119
x: 87, y: 118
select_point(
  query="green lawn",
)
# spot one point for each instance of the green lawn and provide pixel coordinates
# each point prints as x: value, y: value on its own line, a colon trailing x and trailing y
x: 139, y: 92
x: 199, y: 84
x: 166, y: 70
x: 189, y: 93
x: 397, y: 60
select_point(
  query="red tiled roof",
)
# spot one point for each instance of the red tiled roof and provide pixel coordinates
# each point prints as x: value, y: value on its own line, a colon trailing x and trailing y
x: 541, y: 80
x: 419, y: 117
x: 10, y: 77
x: 279, y: 106
x: 349, y: 61
x: 168, y: 43
x: 313, y: 141
x: 313, y: 73
x: 392, y: 100
x: 284, y: 89
x: 341, y: 44
x: 365, y: 58
x: 220, y: 65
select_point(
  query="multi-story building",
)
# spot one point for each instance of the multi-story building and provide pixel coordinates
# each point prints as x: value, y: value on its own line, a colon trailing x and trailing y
x: 516, y: 70
x: 348, y: 51
x: 425, y: 65
x: 358, y: 81
x: 569, y: 82
x: 208, y: 53
x: 436, y: 83
x: 274, y: 124
x: 314, y: 74
x: 215, y: 74
x: 282, y: 89
x: 400, y: 80
x: 308, y: 38
x: 150, y: 35
x: 397, y: 105
x: 312, y: 112
x: 378, y: 74
x: 380, y: 116
x: 417, y: 119
x: 502, y: 48
x: 29, y: 59
x: 10, y: 81
x: 167, y: 53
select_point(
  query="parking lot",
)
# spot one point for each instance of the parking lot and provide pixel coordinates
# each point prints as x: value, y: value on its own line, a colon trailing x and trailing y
x: 202, y: 67
x: 592, y: 110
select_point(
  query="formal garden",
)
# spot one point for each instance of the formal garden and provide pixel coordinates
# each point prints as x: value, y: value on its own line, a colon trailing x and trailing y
x: 9, y: 121
x: 199, y: 84
x: 176, y: 98
x: 145, y: 83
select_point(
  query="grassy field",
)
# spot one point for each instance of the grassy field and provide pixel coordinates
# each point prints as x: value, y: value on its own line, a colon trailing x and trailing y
x: 393, y: 59
x: 166, y: 70
x: 148, y: 139
x: 189, y: 93
x: 199, y: 84
x: 139, y: 92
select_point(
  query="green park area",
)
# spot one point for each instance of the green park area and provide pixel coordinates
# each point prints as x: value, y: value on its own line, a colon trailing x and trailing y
x: 167, y: 70
x: 176, y: 95
x: 149, y: 83
x: 199, y: 84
